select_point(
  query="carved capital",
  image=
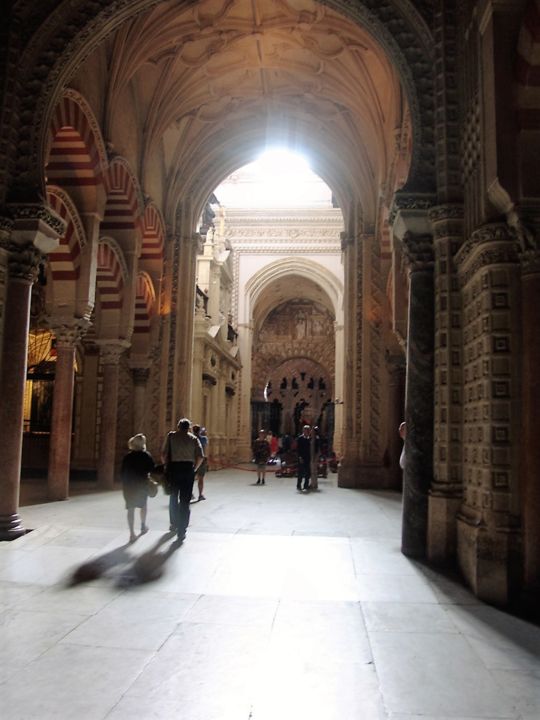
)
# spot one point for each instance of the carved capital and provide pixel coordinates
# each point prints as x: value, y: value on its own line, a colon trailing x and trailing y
x: 67, y: 331
x: 37, y: 224
x: 418, y: 252
x: 409, y: 213
x: 23, y: 261
x: 110, y: 351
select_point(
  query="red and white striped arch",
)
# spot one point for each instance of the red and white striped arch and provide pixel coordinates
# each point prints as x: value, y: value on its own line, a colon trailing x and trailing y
x: 124, y: 202
x: 528, y: 67
x: 110, y: 275
x: 145, y: 300
x: 65, y: 261
x: 76, y: 152
x: 153, y: 234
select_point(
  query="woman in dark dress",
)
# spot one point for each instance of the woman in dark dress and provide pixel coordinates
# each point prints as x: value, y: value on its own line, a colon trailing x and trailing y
x: 134, y: 473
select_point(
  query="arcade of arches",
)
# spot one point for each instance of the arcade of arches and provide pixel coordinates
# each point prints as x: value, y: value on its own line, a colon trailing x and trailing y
x: 130, y: 295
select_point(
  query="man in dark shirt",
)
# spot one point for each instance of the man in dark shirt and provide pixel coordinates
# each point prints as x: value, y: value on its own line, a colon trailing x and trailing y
x: 303, y: 446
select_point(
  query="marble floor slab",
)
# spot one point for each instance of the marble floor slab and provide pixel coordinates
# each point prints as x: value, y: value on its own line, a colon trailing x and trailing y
x: 278, y: 606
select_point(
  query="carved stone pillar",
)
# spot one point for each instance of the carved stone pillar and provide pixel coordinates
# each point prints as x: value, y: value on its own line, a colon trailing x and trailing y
x: 67, y: 335
x: 140, y: 375
x: 487, y: 528
x: 418, y: 472
x: 446, y: 491
x: 190, y: 247
x: 110, y: 352
x: 353, y: 321
x: 530, y: 424
x: 34, y: 231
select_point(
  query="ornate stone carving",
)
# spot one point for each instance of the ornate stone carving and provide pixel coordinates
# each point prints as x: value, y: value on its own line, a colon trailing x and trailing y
x: 140, y: 375
x: 23, y: 261
x: 110, y: 351
x: 24, y: 212
x: 421, y: 202
x: 418, y: 252
x: 530, y: 262
x: 68, y: 331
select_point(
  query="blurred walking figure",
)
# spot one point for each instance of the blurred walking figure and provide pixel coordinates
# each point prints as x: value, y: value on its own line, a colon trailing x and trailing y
x: 182, y: 453
x: 134, y: 475
x: 200, y: 433
x: 261, y: 453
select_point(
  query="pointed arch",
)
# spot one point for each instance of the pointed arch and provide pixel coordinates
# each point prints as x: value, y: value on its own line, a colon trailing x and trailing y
x: 153, y: 229
x: 528, y: 68
x: 76, y: 154
x: 145, y: 300
x: 111, y: 274
x: 65, y: 261
x: 124, y: 208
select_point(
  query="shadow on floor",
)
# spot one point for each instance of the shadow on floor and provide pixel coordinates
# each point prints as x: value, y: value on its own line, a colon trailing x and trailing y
x: 123, y: 568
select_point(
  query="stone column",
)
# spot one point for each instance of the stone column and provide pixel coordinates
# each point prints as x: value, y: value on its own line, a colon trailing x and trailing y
x: 140, y: 375
x: 22, y: 271
x: 67, y: 334
x: 418, y: 472
x: 447, y: 488
x: 110, y: 352
x: 32, y: 231
x: 530, y: 425
x: 189, y: 248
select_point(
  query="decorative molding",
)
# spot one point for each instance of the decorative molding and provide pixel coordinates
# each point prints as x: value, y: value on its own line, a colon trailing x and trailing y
x: 419, y: 202
x: 30, y: 212
x: 73, y: 212
x: 491, y: 244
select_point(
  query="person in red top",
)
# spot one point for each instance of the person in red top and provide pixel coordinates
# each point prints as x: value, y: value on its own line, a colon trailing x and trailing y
x: 274, y: 445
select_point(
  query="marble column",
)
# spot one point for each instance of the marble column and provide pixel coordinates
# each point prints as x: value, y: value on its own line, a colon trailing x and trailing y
x: 67, y: 334
x: 140, y: 375
x: 530, y: 446
x: 23, y: 263
x: 110, y: 352
x: 418, y: 473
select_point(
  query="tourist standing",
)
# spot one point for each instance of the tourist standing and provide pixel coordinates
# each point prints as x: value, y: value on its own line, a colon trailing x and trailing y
x: 261, y: 453
x: 303, y: 448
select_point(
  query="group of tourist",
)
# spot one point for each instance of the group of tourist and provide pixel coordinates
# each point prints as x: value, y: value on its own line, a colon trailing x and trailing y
x: 308, y: 447
x: 184, y: 458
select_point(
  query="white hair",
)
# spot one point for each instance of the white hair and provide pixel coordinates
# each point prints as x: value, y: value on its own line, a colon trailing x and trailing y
x: 137, y: 442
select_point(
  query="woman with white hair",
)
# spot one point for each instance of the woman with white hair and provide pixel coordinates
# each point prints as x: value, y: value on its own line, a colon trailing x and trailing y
x: 134, y: 473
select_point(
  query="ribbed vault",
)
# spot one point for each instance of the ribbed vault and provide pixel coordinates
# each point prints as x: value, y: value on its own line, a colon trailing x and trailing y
x: 214, y: 73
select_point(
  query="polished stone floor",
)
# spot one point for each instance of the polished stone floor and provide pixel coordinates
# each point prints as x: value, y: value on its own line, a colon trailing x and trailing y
x: 279, y: 605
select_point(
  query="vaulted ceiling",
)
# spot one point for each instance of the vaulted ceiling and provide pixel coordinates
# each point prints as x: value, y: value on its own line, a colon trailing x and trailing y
x: 216, y: 81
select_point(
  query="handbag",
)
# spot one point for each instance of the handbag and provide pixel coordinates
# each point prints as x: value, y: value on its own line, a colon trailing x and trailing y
x: 152, y: 487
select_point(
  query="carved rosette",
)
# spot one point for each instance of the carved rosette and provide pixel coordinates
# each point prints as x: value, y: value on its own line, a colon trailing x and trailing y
x: 418, y: 252
x: 68, y: 332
